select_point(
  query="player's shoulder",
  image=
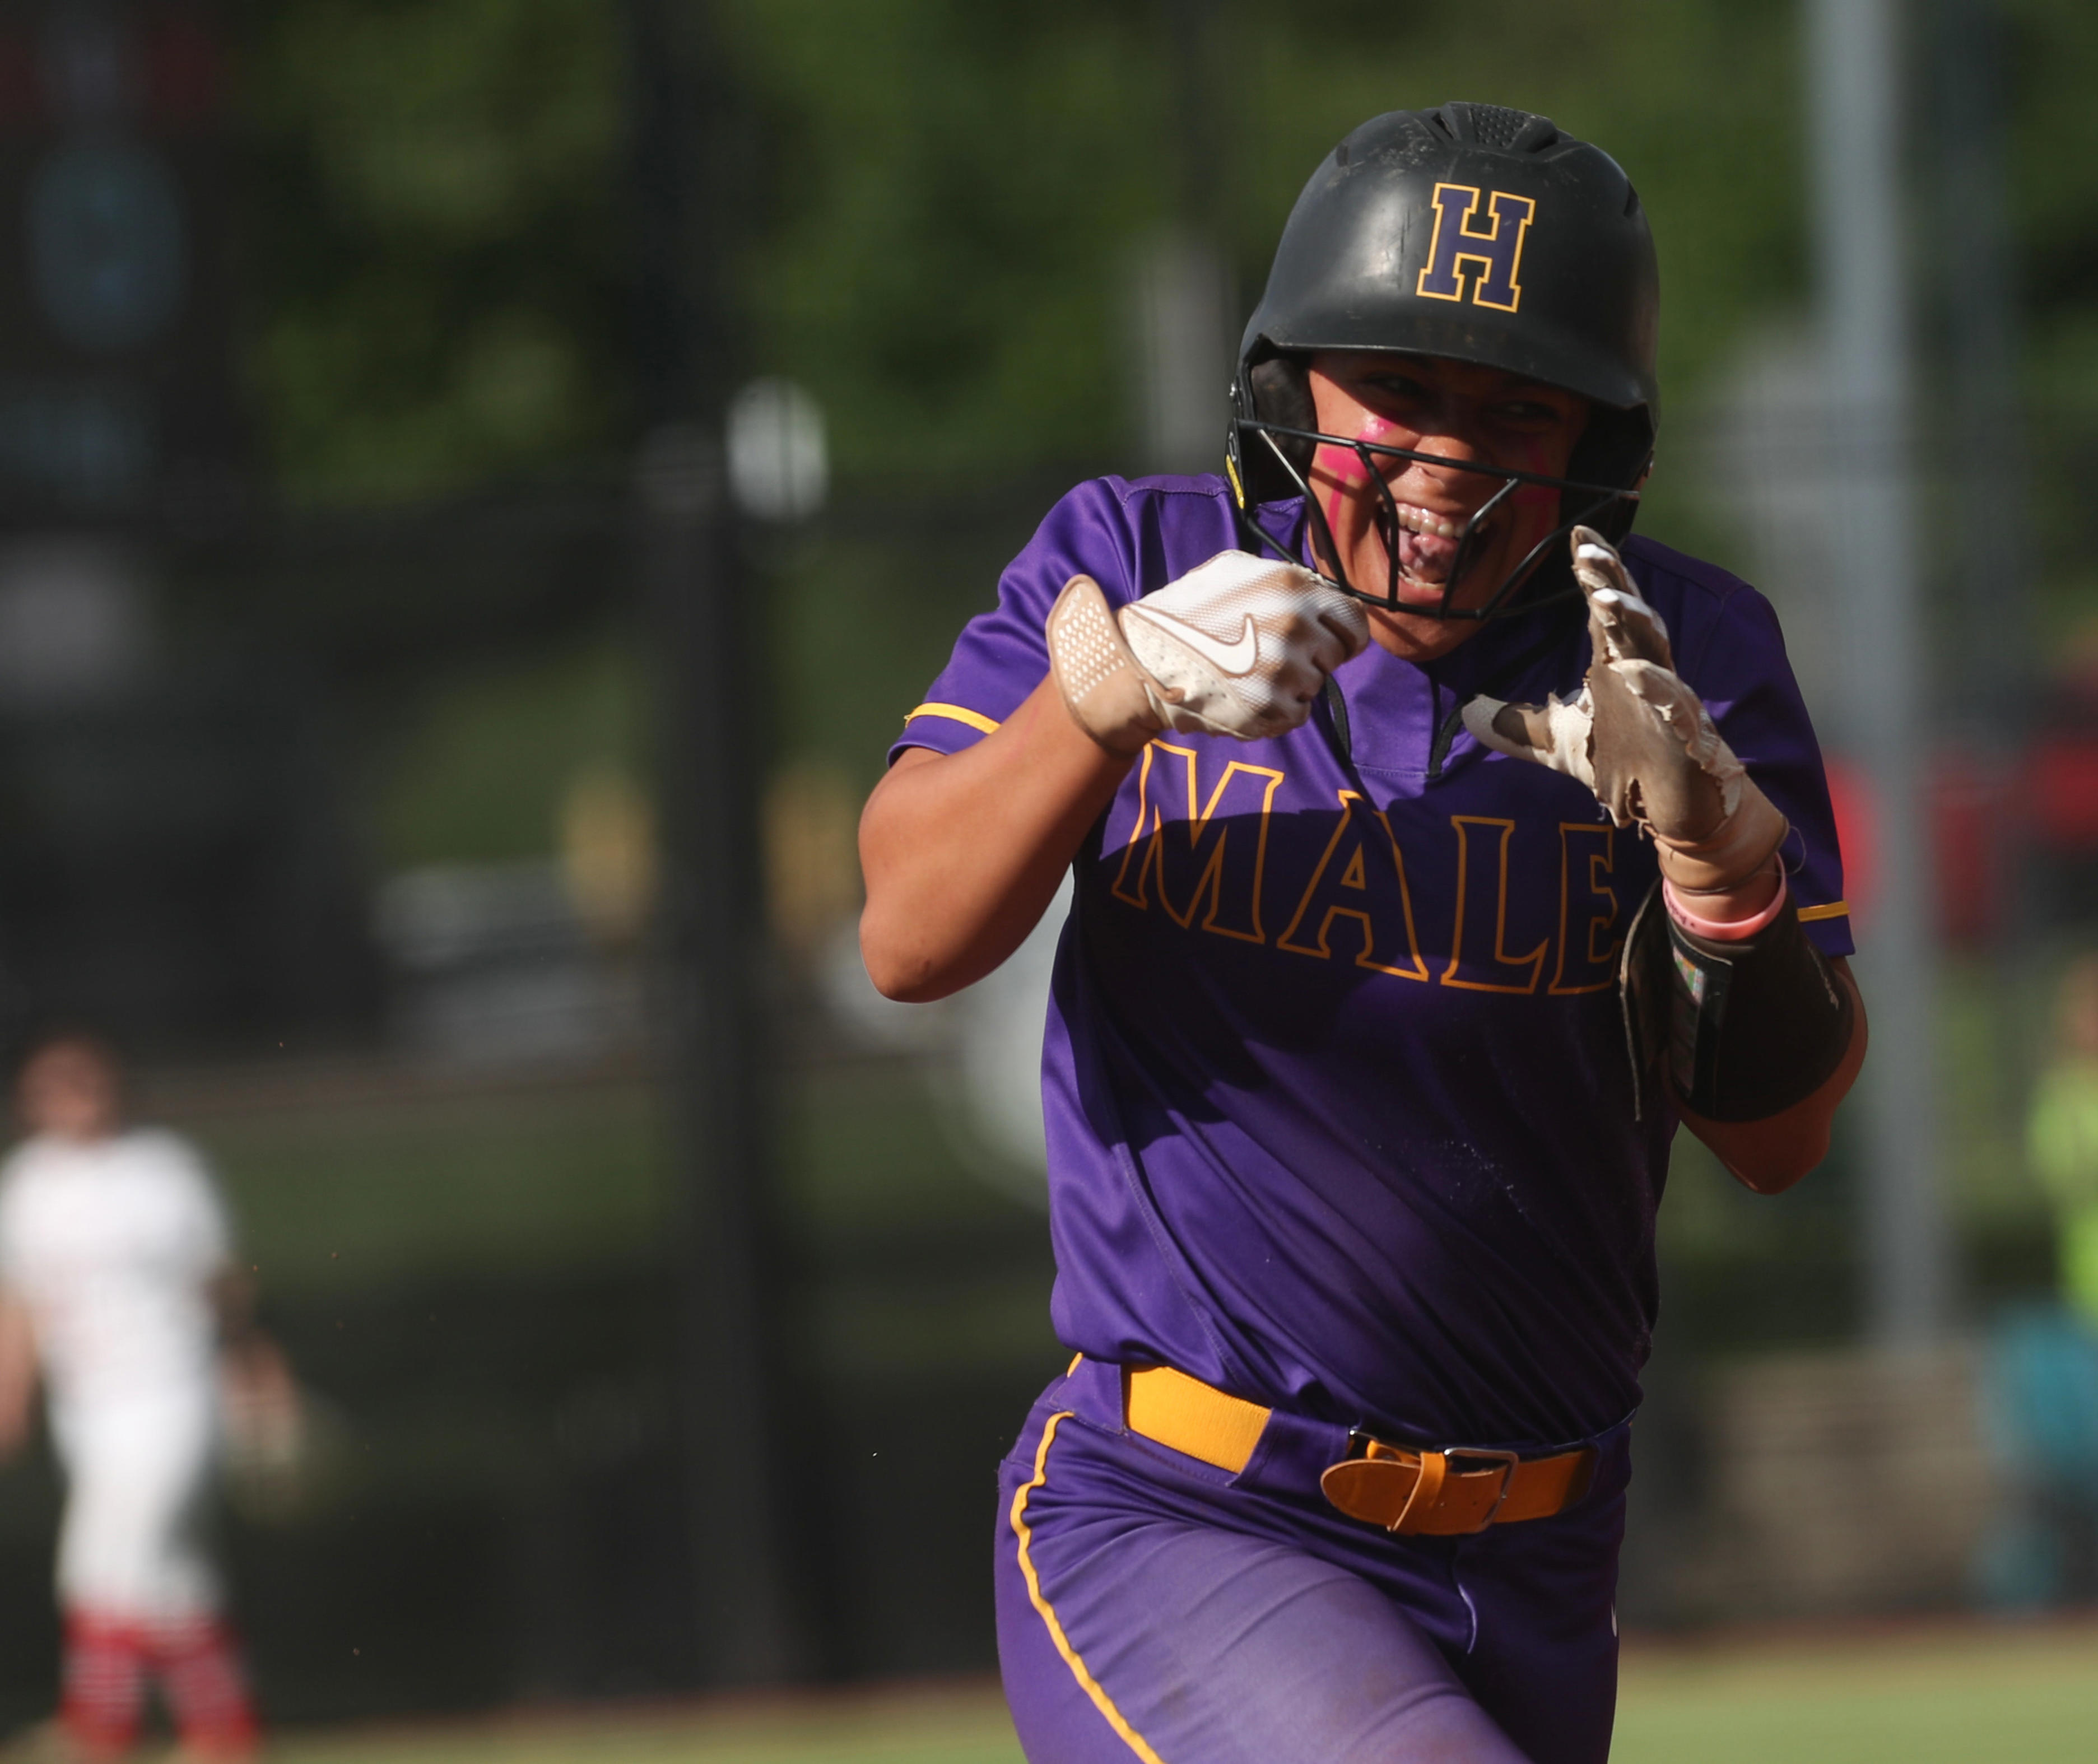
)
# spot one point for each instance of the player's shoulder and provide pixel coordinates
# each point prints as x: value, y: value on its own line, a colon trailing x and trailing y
x: 163, y: 1145
x: 30, y: 1162
x: 12, y: 1175
x: 1135, y: 505
x: 1134, y: 534
x: 1122, y: 502
x: 1164, y: 488
x: 1661, y: 569
x: 33, y: 1178
x: 1695, y: 598
x: 161, y: 1155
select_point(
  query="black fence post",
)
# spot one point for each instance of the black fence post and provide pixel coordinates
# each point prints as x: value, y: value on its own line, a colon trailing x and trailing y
x: 709, y: 662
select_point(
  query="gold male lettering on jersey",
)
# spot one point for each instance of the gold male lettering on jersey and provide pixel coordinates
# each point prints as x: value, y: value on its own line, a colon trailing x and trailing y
x: 1588, y: 941
x: 1191, y: 857
x: 1518, y: 973
x: 1141, y: 847
x: 1492, y: 253
x: 1185, y: 850
x: 1199, y: 848
x: 1361, y: 879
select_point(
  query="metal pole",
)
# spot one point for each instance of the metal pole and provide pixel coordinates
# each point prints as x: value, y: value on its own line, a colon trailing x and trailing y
x: 713, y: 923
x: 1184, y: 301
x: 1852, y: 55
x: 1972, y: 218
x: 1200, y: 174
x: 1988, y: 461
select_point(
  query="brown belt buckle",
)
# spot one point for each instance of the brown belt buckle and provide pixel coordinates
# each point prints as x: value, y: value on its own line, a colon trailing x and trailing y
x: 1352, y: 1488
x: 1510, y: 1463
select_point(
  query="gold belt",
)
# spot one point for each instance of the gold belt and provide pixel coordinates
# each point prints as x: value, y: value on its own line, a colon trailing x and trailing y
x: 1428, y: 1493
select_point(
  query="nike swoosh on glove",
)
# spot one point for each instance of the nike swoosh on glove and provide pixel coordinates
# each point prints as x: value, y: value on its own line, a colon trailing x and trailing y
x: 1640, y: 738
x: 1240, y: 646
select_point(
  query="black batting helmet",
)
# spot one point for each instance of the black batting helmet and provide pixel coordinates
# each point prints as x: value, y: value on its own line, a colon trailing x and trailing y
x: 1479, y: 234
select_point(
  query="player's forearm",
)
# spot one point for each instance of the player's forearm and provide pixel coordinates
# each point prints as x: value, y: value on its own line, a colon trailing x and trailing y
x: 18, y: 1373
x: 232, y: 1295
x: 1770, y: 1156
x: 962, y: 853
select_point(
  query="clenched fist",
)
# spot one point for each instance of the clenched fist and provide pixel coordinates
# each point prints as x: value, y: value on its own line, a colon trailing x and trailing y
x: 1640, y: 738
x: 1241, y: 647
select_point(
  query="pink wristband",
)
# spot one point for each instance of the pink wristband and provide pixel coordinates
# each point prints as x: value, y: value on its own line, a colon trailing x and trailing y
x: 1724, y: 930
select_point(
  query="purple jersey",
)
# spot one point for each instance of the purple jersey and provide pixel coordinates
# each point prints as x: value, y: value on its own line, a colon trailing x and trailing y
x: 1340, y: 1115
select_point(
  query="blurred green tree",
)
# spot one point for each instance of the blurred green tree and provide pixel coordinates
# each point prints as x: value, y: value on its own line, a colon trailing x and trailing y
x: 957, y: 183
x: 940, y: 197
x: 939, y: 202
x: 2053, y: 149
x: 435, y: 244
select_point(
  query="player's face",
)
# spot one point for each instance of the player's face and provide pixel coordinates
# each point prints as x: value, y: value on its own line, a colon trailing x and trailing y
x: 69, y: 1091
x: 1456, y: 410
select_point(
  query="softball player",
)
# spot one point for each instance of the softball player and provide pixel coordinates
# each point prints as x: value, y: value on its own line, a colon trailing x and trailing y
x: 114, y: 1274
x: 1438, y: 847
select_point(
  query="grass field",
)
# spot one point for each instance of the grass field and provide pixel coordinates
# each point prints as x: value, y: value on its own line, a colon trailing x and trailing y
x: 2003, y: 1694
x: 1921, y: 1695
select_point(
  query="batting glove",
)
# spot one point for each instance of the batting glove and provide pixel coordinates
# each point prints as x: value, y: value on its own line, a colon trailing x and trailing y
x: 1638, y: 737
x: 1241, y: 646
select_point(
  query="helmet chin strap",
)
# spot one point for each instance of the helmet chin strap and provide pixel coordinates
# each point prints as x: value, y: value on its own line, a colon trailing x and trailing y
x: 1328, y: 551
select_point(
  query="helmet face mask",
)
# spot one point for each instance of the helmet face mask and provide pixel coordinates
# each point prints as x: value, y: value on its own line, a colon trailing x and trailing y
x: 1601, y: 506
x: 1474, y: 234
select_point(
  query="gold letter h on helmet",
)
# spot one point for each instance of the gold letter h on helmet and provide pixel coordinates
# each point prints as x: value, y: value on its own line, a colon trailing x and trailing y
x: 1495, y: 254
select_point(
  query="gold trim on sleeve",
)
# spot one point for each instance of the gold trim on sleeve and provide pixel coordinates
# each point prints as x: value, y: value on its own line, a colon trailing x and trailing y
x: 975, y: 719
x: 1833, y: 910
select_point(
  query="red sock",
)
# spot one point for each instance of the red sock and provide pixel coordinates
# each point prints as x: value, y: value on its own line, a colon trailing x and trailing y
x: 206, y: 1687
x: 105, y: 1683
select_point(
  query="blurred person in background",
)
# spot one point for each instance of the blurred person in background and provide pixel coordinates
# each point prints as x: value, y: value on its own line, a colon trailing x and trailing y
x: 2040, y: 1392
x: 1381, y: 761
x: 117, y: 1283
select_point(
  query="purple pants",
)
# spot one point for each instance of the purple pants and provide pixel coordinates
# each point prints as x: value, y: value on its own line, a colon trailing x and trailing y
x: 1151, y: 1606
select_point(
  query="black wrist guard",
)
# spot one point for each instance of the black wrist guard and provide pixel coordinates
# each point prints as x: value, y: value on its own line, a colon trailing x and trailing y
x: 1745, y: 1029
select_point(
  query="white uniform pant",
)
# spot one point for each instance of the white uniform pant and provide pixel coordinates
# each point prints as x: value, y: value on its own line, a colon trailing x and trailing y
x: 131, y: 1546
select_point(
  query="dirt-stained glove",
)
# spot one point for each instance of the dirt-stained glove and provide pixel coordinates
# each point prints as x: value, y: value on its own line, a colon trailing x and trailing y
x: 1240, y: 646
x: 1640, y: 738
